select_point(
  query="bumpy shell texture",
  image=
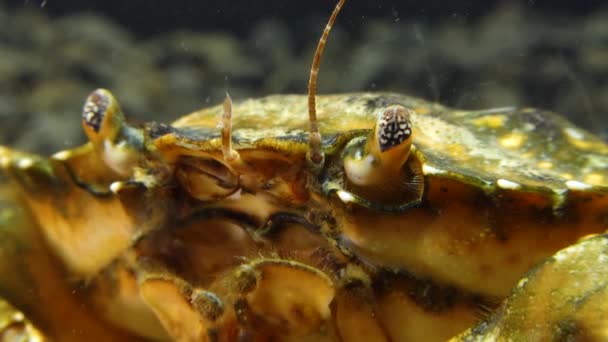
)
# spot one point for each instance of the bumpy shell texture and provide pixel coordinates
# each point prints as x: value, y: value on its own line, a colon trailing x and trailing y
x: 510, y: 148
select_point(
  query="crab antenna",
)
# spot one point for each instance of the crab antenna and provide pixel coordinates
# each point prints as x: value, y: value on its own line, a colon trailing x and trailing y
x: 230, y: 155
x: 316, y: 154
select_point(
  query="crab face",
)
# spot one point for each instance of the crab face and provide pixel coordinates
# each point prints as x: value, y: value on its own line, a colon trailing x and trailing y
x: 393, y: 219
x: 204, y: 239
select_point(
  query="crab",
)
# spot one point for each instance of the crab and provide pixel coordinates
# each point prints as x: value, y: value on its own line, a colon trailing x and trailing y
x: 380, y: 217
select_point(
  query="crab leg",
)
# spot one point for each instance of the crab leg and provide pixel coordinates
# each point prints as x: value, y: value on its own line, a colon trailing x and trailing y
x: 33, y: 280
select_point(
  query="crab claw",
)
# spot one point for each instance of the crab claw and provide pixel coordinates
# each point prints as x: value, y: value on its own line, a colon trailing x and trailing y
x: 265, y: 298
x: 563, y: 298
x: 292, y: 293
x: 33, y: 172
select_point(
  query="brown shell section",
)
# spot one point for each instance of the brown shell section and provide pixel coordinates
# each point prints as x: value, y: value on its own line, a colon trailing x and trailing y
x: 509, y: 148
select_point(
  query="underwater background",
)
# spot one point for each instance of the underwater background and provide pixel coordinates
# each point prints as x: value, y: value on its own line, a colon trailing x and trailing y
x: 163, y: 59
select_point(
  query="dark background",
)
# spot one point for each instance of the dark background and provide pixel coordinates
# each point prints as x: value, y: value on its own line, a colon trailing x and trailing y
x: 149, y: 17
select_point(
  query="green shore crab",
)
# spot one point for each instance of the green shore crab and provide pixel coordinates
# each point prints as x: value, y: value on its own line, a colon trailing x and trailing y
x: 382, y: 217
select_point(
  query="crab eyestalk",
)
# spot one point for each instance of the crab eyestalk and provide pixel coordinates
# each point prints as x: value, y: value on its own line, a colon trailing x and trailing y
x: 119, y: 145
x: 378, y: 159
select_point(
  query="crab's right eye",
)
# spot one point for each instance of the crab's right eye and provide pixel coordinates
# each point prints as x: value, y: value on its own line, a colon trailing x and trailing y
x: 379, y: 169
x: 394, y: 129
x: 379, y: 158
x: 95, y: 109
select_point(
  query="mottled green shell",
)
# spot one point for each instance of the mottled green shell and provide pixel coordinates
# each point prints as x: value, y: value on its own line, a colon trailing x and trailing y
x: 520, y: 149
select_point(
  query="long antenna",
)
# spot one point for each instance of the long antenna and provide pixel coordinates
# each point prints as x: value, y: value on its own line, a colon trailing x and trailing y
x: 316, y: 155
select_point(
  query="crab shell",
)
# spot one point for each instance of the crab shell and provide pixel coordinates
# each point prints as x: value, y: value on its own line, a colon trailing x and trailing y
x: 198, y: 248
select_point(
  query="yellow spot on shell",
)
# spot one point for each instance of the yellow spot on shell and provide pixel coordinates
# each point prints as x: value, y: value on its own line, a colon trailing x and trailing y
x: 545, y: 164
x: 512, y: 140
x: 567, y: 176
x: 582, y: 144
x: 522, y: 282
x: 595, y: 178
x: 577, y: 138
x: 586, y: 237
x: 528, y: 155
x: 422, y: 110
x: 493, y: 121
x: 4, y: 152
x: 457, y: 149
x: 5, y: 161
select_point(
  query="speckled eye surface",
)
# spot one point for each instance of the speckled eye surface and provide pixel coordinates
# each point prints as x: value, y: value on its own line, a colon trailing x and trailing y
x: 394, y: 127
x: 94, y: 110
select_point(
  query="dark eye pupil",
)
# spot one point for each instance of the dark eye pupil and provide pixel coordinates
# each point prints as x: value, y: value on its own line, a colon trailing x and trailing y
x: 94, y: 110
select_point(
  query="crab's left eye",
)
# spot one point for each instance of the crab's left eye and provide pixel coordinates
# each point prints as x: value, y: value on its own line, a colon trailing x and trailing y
x: 102, y: 118
x: 119, y: 144
x: 95, y: 109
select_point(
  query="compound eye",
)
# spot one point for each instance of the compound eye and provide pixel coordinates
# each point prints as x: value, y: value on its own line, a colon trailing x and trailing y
x: 394, y: 128
x: 95, y: 109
